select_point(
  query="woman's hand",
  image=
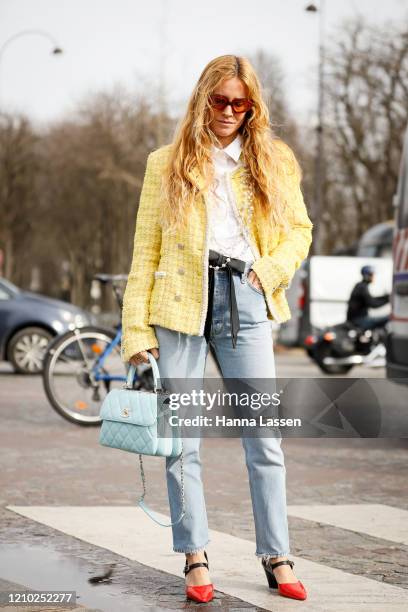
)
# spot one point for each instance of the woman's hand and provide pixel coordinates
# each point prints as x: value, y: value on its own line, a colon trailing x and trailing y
x: 254, y: 280
x: 142, y: 357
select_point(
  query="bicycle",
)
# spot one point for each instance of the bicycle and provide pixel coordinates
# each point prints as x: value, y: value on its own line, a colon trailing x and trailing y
x: 81, y: 365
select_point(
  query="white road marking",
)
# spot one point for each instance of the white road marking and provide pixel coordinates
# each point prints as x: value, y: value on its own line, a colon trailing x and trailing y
x: 127, y: 531
x: 378, y: 520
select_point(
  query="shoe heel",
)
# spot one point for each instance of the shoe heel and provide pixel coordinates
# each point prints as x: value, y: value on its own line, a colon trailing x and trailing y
x: 272, y: 582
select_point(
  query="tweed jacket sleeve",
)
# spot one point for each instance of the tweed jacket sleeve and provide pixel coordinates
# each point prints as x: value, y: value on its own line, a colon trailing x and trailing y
x: 278, y: 267
x: 137, y: 334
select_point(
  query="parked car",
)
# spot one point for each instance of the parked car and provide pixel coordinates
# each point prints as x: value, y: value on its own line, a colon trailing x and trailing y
x: 397, y: 339
x: 28, y: 321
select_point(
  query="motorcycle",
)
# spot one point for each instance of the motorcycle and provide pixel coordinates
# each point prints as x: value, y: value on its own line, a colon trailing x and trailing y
x: 338, y: 348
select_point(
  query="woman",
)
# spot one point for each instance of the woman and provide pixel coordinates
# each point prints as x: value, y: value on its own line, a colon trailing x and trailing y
x: 221, y: 229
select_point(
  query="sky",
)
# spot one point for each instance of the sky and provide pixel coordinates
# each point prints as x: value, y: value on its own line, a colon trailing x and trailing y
x: 130, y: 42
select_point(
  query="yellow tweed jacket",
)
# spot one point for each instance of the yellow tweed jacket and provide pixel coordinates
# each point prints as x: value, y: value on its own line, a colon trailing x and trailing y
x: 168, y: 279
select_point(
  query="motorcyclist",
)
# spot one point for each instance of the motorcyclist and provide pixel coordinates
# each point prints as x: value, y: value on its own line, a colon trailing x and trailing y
x: 361, y: 300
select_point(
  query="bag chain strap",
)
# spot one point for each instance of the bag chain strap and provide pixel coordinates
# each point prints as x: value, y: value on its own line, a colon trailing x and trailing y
x: 129, y: 385
x: 142, y: 474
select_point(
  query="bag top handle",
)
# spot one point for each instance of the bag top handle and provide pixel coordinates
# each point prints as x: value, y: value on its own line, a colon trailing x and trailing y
x: 156, y: 374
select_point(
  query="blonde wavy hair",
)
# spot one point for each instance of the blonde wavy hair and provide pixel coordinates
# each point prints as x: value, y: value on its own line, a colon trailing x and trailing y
x: 270, y: 163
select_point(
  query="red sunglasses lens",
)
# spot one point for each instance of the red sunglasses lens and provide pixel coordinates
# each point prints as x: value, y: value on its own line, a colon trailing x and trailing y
x: 218, y: 102
x: 238, y: 105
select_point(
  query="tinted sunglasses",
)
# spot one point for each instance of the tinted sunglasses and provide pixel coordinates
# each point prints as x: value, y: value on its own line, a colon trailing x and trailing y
x: 238, y: 105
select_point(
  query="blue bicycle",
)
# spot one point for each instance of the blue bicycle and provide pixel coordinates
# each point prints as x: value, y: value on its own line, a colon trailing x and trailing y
x: 84, y: 364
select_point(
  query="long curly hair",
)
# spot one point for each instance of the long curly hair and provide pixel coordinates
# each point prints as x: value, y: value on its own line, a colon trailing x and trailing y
x: 271, y: 164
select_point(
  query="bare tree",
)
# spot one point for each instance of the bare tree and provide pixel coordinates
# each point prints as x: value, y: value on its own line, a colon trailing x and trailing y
x: 92, y: 181
x: 272, y: 77
x: 283, y: 122
x: 367, y: 113
x: 18, y: 166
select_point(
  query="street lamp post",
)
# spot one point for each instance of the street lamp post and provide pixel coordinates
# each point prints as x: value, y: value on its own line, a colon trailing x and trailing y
x: 56, y: 49
x: 319, y: 163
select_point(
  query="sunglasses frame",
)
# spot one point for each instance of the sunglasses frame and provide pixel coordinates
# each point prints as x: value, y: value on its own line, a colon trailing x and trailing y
x: 249, y: 103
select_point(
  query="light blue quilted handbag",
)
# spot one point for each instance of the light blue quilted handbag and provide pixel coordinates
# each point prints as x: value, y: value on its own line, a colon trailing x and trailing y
x: 132, y: 421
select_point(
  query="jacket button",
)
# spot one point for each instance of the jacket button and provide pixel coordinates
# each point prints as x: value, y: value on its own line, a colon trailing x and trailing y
x: 180, y: 270
x: 180, y: 245
x: 177, y: 298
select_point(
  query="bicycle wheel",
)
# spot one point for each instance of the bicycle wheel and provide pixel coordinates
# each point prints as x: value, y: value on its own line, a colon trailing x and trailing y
x: 80, y: 368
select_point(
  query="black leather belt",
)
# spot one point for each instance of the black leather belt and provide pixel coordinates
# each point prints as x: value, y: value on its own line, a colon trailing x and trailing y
x: 229, y: 264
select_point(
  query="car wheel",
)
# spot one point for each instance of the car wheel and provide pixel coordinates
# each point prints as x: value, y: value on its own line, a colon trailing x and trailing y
x: 27, y: 349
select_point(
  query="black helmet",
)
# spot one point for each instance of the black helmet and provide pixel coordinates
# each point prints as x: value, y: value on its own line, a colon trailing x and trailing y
x: 367, y: 270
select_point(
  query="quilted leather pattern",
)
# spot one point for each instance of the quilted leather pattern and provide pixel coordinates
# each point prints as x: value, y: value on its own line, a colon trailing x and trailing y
x: 132, y: 420
x: 132, y: 438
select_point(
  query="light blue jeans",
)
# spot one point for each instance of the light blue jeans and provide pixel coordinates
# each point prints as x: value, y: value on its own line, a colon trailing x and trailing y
x: 184, y: 356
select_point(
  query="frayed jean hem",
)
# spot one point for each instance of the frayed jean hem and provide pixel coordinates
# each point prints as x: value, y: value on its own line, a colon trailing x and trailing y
x: 190, y: 551
x: 267, y: 556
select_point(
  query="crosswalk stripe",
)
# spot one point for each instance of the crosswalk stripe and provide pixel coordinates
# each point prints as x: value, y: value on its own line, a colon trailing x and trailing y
x: 127, y: 531
x: 378, y: 520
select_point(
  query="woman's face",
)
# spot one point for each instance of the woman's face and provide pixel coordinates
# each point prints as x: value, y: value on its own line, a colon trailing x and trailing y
x: 225, y: 124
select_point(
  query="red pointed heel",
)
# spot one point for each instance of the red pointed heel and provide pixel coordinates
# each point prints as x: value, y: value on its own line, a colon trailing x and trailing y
x: 294, y: 590
x: 202, y: 592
